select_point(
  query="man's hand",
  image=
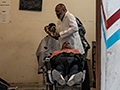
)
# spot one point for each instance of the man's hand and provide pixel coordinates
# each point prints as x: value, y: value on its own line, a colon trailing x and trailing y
x: 56, y: 36
x: 46, y: 30
x: 53, y: 29
x: 49, y: 32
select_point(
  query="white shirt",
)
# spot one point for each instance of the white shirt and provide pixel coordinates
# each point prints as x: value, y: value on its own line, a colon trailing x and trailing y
x: 68, y: 30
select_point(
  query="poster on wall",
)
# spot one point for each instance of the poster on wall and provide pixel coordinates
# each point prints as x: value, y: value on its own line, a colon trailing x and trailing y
x: 4, y: 16
x: 4, y: 11
x: 5, y: 4
x: 32, y: 5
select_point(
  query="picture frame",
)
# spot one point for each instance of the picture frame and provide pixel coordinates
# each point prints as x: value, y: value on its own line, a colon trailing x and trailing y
x: 31, y: 5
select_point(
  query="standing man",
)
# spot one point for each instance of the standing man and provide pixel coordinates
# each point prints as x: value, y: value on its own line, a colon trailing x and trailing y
x: 67, y: 29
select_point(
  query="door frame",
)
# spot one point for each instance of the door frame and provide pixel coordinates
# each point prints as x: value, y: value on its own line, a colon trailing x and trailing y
x: 98, y: 44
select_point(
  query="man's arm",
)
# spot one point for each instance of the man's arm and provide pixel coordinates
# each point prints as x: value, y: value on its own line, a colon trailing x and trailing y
x: 70, y: 19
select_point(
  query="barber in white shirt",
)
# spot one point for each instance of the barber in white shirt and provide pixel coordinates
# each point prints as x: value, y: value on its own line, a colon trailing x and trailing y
x: 67, y: 28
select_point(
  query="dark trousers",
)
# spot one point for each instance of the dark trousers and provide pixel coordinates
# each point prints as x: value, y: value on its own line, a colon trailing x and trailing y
x: 73, y: 70
x: 86, y: 83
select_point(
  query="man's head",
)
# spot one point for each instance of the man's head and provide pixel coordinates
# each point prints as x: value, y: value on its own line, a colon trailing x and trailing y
x: 52, y: 27
x: 66, y: 45
x: 60, y: 10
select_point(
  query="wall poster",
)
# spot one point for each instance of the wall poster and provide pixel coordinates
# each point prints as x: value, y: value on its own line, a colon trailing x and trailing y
x: 32, y: 5
x: 5, y: 6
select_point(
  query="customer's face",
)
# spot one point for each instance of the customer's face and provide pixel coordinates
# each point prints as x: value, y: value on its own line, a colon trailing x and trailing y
x: 59, y: 12
x: 66, y: 45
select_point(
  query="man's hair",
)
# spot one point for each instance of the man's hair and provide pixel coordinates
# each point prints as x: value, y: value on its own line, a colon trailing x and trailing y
x: 62, y: 6
x: 50, y: 25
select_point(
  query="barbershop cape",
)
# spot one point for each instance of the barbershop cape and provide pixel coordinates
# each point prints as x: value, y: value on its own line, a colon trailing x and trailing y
x: 46, y: 47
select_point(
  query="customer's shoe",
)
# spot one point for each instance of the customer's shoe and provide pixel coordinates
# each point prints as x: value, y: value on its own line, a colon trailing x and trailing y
x: 75, y: 79
x: 58, y: 77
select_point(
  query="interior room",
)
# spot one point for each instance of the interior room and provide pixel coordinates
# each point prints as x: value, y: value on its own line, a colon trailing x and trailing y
x: 23, y: 31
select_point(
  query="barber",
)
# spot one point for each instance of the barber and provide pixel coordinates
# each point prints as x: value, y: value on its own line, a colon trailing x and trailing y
x: 67, y: 29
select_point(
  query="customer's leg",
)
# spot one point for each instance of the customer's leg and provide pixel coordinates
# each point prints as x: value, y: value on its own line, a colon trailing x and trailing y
x: 73, y: 70
x: 74, y: 75
x: 60, y: 69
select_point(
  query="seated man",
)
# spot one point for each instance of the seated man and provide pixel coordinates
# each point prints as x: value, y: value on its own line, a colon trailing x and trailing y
x: 67, y: 65
x: 47, y: 46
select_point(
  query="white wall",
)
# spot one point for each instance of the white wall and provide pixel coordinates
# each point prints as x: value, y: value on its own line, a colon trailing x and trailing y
x: 20, y: 38
x: 103, y: 61
x: 110, y: 45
